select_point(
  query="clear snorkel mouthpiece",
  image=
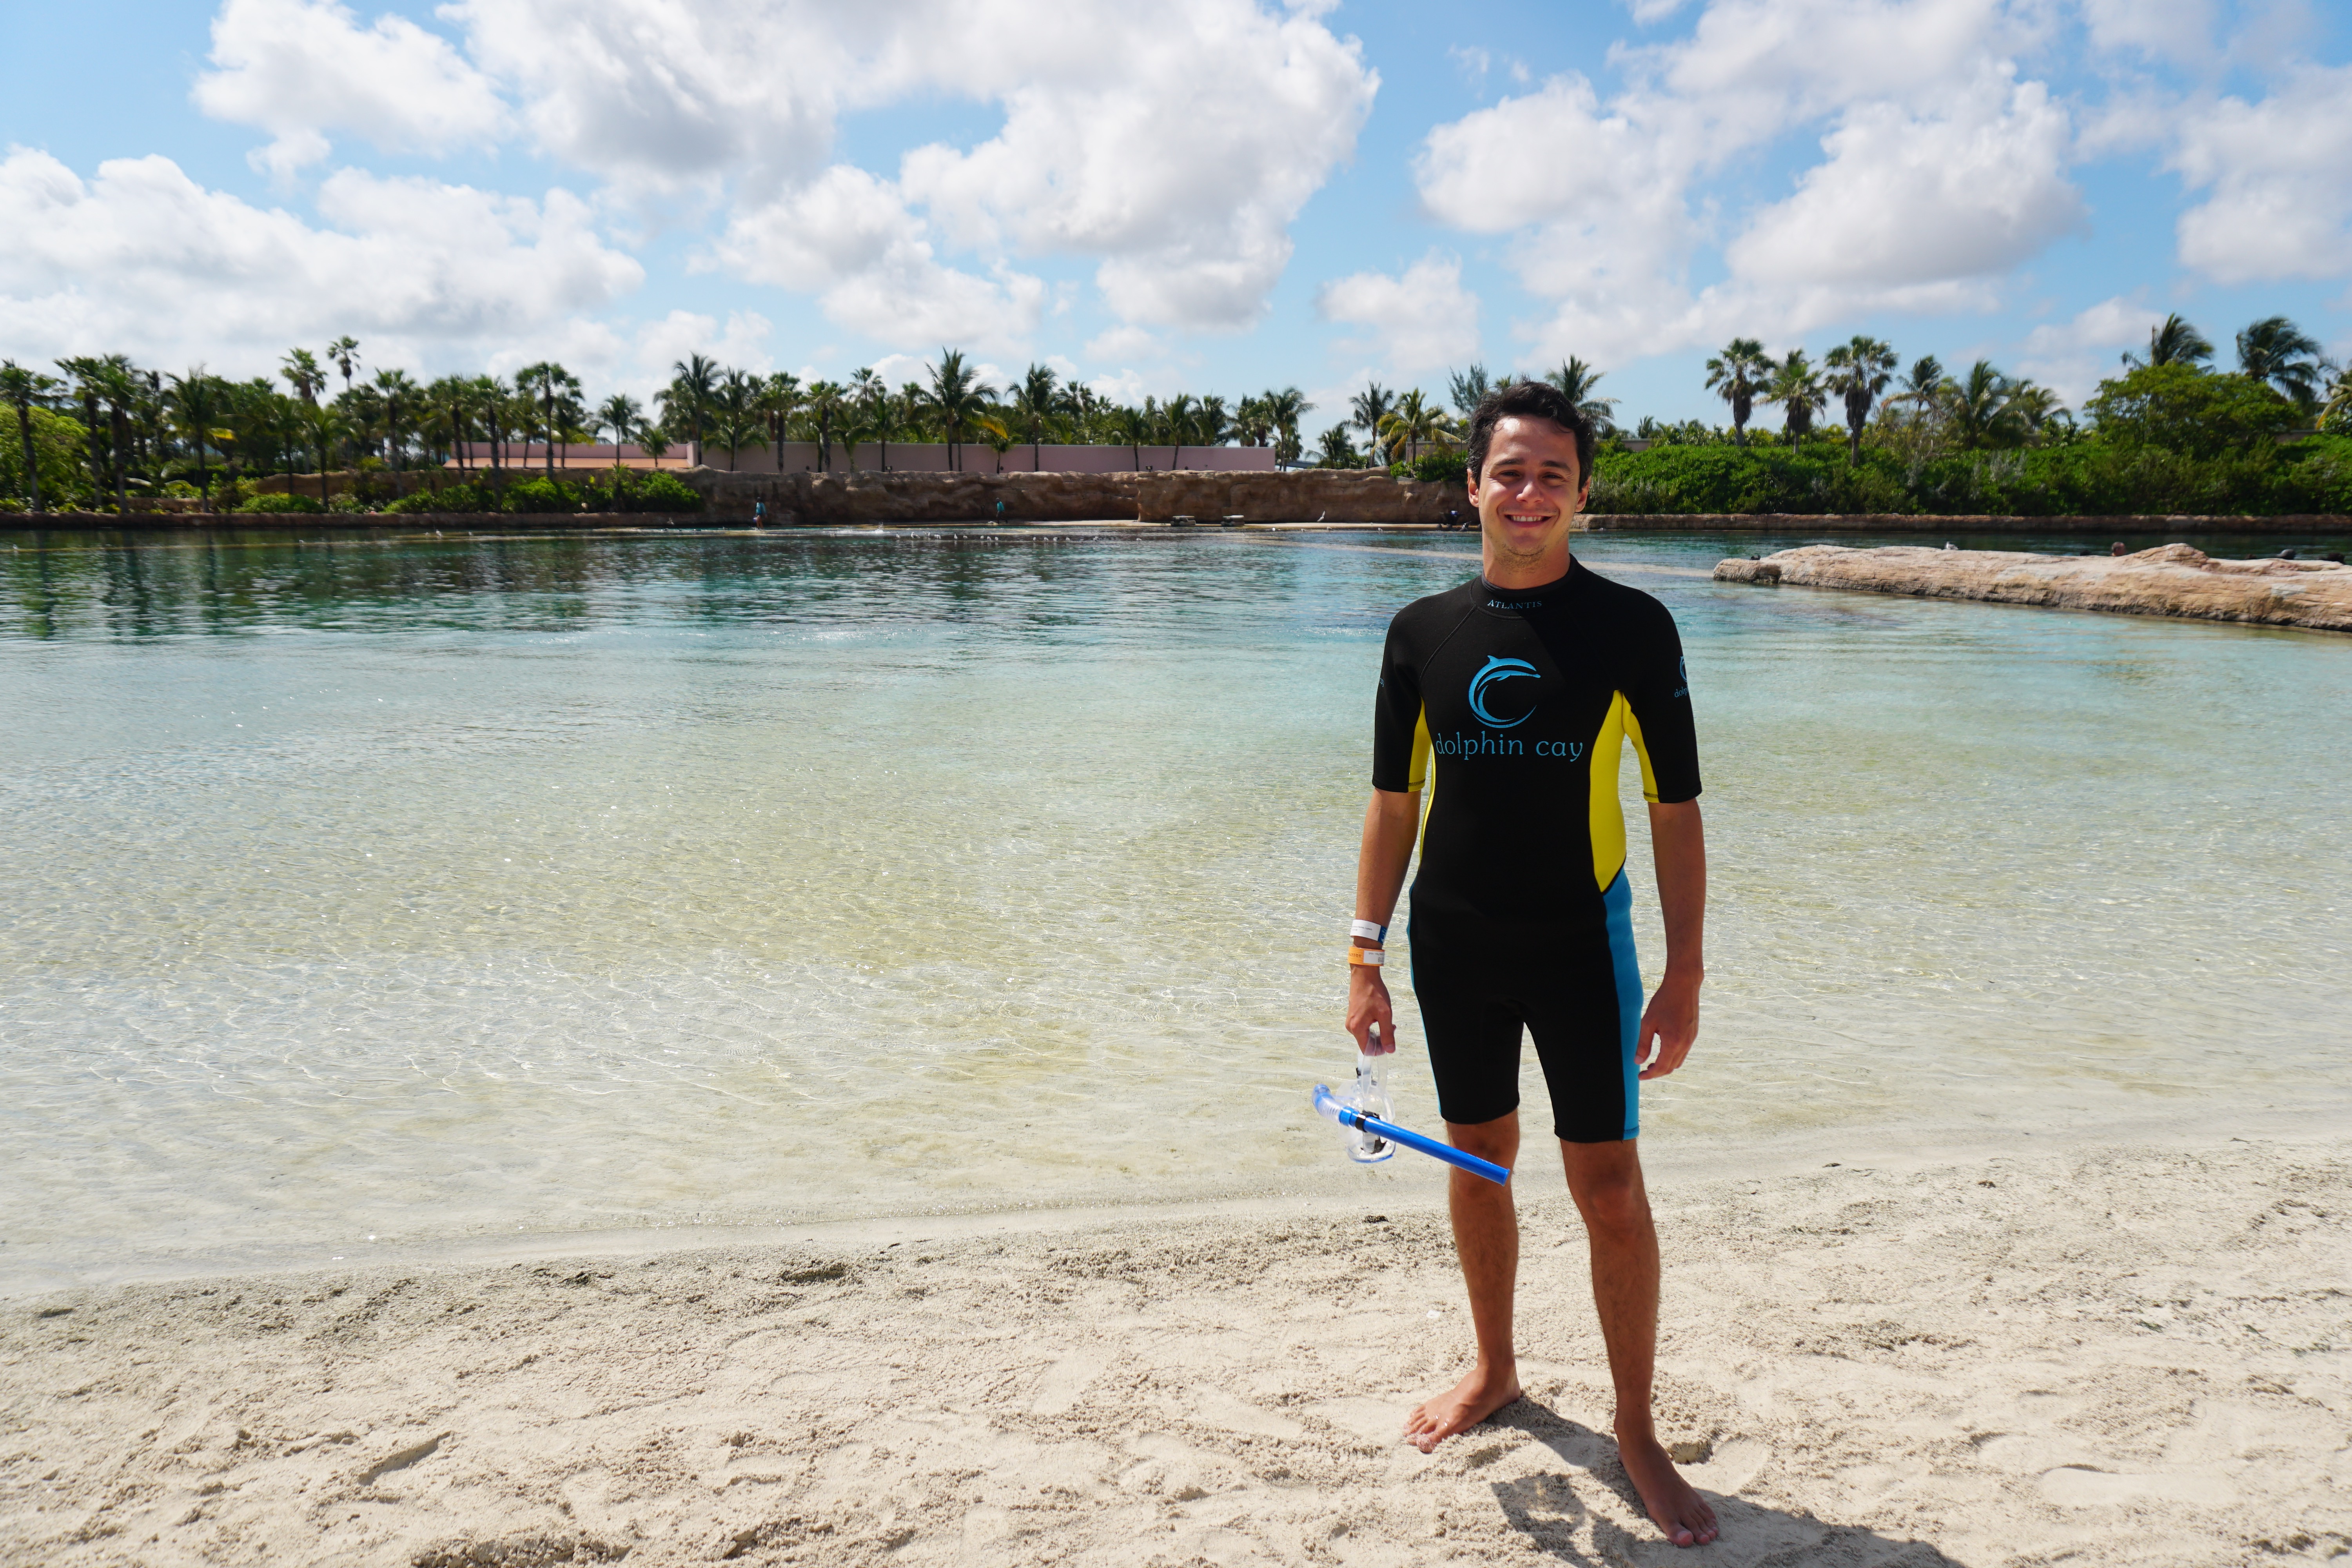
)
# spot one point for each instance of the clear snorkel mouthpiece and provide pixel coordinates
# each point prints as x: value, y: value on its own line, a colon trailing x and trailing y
x: 1367, y: 1095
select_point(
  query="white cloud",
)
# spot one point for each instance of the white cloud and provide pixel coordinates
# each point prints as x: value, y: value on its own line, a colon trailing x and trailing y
x: 2180, y: 31
x: 1172, y: 147
x: 850, y: 239
x: 298, y: 69
x: 1941, y: 173
x: 144, y: 260
x: 1177, y: 146
x: 2281, y: 200
x: 1125, y: 343
x: 2073, y: 356
x: 1421, y: 320
x: 1907, y: 200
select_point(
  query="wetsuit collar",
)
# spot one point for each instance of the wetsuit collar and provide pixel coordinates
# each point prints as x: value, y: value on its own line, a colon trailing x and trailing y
x: 1495, y: 598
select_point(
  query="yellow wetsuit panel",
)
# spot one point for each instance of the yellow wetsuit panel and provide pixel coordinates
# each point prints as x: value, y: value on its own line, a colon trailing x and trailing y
x: 1606, y: 817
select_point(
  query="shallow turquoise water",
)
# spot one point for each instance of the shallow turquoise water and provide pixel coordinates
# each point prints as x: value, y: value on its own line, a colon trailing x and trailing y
x: 440, y: 887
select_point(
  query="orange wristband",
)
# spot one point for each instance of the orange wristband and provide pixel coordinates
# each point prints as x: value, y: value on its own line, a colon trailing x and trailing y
x: 1366, y: 959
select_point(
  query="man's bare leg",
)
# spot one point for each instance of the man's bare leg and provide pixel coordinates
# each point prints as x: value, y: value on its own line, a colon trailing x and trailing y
x: 1486, y: 1240
x: 1605, y: 1178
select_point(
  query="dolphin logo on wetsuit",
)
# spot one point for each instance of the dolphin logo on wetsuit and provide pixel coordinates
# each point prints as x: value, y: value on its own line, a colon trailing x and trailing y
x: 1497, y: 668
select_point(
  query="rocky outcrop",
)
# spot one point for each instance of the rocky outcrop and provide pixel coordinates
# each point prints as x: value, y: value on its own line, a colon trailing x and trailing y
x: 1949, y: 524
x: 2171, y: 580
x: 1306, y: 495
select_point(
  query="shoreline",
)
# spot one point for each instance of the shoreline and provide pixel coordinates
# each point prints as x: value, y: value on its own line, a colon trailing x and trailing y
x: 558, y: 525
x: 2125, y: 1350
x: 1672, y: 1158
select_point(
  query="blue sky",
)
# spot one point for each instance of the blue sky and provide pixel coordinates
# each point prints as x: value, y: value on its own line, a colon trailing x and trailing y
x: 1217, y: 196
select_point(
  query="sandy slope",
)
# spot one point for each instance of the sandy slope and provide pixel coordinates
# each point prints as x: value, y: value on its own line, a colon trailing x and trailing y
x: 2123, y: 1356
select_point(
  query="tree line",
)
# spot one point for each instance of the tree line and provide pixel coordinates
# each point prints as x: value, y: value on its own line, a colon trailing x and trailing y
x: 105, y: 428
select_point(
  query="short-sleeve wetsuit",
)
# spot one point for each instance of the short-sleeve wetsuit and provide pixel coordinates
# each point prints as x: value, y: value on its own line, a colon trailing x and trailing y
x: 1523, y: 699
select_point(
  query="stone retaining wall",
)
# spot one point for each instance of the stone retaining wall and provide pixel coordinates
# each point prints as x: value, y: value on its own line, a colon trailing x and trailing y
x: 1337, y: 495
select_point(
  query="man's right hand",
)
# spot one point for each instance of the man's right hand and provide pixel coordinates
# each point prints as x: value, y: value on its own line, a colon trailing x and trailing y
x: 1368, y: 1003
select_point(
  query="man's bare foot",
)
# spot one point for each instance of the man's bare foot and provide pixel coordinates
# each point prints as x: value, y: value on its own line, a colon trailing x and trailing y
x: 1472, y: 1400
x: 1674, y: 1503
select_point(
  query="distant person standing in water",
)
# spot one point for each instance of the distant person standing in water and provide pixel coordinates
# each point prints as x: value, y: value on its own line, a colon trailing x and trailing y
x: 1521, y: 689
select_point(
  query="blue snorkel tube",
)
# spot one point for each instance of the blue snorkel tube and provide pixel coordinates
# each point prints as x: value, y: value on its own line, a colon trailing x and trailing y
x: 1370, y: 1134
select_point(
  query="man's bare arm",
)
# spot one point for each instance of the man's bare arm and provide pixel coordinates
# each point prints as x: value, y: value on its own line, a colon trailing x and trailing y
x: 1678, y: 845
x: 1391, y: 821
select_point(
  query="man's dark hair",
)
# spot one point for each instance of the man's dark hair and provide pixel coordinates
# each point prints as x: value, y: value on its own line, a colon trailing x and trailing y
x: 1530, y: 400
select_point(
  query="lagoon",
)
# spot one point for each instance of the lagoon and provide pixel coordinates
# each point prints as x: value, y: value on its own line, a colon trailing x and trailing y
x: 384, y: 890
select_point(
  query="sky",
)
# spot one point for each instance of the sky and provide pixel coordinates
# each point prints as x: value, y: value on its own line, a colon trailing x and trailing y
x: 1203, y: 196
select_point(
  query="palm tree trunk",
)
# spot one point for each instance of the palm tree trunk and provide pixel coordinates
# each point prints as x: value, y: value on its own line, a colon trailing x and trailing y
x: 115, y: 440
x: 32, y: 465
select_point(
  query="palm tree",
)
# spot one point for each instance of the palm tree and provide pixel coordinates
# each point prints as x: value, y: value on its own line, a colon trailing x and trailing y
x: 1337, y: 451
x: 1798, y: 392
x: 2275, y: 350
x: 1577, y: 380
x: 1036, y: 400
x: 399, y: 395
x: 1859, y: 371
x: 449, y: 400
x: 620, y: 414
x: 2173, y: 343
x: 1468, y: 388
x: 2339, y: 405
x: 1286, y: 408
x: 956, y: 397
x: 490, y: 404
x: 1923, y: 388
x: 22, y: 388
x: 196, y: 401
x: 1416, y: 419
x: 343, y: 353
x: 1738, y: 374
x: 2033, y: 409
x: 326, y: 428
x: 1980, y: 407
x: 1367, y: 409
x: 780, y: 402
x: 741, y: 419
x: 547, y: 383
x: 687, y: 397
x: 303, y: 371
x: 1128, y: 428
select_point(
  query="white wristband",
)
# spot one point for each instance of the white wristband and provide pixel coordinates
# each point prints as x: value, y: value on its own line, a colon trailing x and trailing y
x: 1365, y: 931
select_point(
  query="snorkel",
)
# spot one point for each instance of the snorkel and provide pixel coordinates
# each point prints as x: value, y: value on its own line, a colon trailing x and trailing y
x: 1363, y: 1120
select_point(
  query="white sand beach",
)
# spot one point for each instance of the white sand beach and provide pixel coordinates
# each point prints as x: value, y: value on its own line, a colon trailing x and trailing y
x: 2131, y: 1354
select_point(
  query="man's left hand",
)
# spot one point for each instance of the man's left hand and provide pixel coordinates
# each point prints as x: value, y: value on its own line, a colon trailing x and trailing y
x: 1670, y: 1021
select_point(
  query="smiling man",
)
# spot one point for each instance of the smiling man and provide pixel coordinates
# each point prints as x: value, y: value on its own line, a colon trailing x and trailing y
x: 1520, y: 690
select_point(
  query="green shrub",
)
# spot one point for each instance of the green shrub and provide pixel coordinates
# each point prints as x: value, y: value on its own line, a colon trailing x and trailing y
x: 2182, y: 409
x: 540, y: 495
x: 448, y: 497
x: 278, y: 502
x: 659, y: 492
x: 1446, y: 467
x: 346, y: 502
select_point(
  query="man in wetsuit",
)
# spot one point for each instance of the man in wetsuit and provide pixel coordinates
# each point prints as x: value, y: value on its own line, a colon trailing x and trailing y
x: 1519, y: 690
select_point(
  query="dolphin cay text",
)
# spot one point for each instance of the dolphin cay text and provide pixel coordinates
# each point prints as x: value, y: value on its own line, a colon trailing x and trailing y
x: 1482, y: 744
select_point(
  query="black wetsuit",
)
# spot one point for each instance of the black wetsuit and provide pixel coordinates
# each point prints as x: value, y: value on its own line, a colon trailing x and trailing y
x: 1521, y: 912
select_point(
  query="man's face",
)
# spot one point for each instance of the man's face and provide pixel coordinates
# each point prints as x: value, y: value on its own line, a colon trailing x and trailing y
x: 1530, y: 491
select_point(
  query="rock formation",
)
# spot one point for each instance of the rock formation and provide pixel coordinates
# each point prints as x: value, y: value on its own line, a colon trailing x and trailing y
x: 2171, y: 580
